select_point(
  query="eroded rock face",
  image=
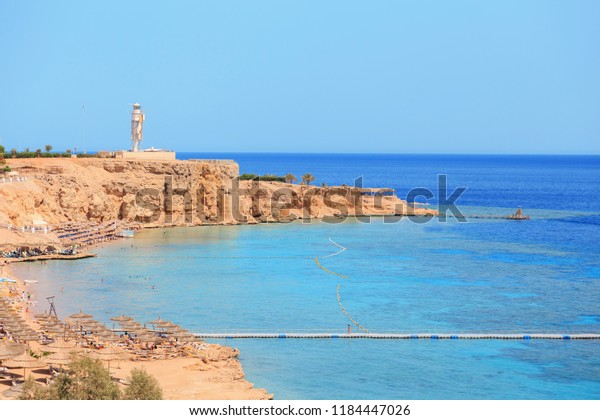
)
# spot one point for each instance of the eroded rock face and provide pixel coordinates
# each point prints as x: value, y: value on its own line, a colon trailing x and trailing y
x: 99, y: 190
x: 171, y: 193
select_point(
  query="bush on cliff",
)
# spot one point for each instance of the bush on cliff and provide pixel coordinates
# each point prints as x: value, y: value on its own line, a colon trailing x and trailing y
x: 266, y: 177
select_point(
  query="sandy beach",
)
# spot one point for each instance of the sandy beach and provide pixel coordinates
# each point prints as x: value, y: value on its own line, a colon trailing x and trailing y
x: 210, y: 372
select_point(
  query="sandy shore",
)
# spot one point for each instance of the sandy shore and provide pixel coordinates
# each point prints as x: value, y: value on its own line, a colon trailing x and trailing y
x: 213, y: 373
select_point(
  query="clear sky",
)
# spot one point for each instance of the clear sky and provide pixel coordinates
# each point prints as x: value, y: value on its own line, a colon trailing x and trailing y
x: 303, y: 76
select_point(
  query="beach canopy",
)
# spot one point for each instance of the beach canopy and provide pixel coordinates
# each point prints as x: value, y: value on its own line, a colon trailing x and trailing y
x: 28, y: 336
x: 56, y: 346
x: 9, y: 349
x: 81, y: 315
x: 121, y: 318
x: 25, y: 361
x: 108, y: 354
x: 157, y: 321
x: 14, y: 391
x: 62, y: 357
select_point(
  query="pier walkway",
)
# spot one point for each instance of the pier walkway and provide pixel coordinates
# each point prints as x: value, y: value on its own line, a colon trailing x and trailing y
x: 399, y: 336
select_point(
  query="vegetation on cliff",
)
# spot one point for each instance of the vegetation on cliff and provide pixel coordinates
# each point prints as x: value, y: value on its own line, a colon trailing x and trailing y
x: 266, y: 177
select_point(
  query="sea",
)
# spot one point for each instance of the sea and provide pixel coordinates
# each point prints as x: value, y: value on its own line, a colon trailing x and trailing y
x: 389, y: 274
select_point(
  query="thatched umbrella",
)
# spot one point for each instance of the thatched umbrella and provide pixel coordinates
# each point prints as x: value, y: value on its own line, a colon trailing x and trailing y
x: 130, y: 325
x: 14, y: 323
x: 25, y: 361
x: 57, y: 346
x: 15, y: 330
x: 42, y: 316
x: 55, y: 330
x: 28, y: 336
x: 109, y: 354
x: 182, y: 335
x: 61, y: 357
x: 121, y: 318
x: 92, y: 324
x: 10, y: 349
x: 14, y: 391
x: 157, y: 321
x: 81, y: 315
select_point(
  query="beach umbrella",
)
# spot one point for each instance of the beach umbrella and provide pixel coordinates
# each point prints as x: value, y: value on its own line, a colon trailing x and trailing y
x: 121, y: 318
x: 15, y: 323
x: 13, y: 326
x: 15, y: 331
x: 60, y: 358
x: 108, y: 336
x: 130, y: 323
x: 57, y: 346
x: 28, y: 336
x: 52, y: 323
x: 81, y: 315
x: 9, y: 349
x: 149, y: 338
x: 139, y: 331
x: 14, y: 391
x: 25, y: 361
x: 108, y: 354
x: 55, y: 330
x: 157, y: 321
x: 8, y: 316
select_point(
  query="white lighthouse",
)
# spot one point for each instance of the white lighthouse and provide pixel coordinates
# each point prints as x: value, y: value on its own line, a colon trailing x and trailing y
x: 137, y: 122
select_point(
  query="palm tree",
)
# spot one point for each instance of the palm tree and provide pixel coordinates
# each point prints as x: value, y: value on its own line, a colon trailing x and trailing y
x: 38, y: 152
x: 26, y: 150
x: 68, y: 151
x: 290, y: 178
x: 48, y: 147
x: 307, y: 178
x: 13, y: 152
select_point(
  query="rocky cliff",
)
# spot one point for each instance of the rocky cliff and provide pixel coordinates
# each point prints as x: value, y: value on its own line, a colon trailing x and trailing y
x: 169, y: 193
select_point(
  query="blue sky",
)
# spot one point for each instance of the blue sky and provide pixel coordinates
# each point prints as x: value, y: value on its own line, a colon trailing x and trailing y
x: 303, y: 76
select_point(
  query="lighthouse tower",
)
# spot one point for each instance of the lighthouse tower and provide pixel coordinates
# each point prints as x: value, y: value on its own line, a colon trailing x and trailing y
x: 137, y: 122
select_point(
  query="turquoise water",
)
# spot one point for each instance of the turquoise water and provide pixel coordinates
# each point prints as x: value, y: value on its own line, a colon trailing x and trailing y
x: 541, y: 275
x: 402, y: 277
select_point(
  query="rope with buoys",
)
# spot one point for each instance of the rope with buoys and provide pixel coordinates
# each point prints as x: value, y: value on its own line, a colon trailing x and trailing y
x: 335, y: 253
x: 328, y: 270
x: 339, y: 297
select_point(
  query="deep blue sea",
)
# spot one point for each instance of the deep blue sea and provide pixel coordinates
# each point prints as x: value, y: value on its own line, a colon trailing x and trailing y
x: 541, y: 275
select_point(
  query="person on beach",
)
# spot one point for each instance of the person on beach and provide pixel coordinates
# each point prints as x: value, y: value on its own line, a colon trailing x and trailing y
x: 349, y: 329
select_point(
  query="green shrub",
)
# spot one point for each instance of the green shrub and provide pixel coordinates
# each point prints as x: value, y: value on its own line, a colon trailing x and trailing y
x: 266, y: 177
x: 142, y: 386
x: 88, y: 379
